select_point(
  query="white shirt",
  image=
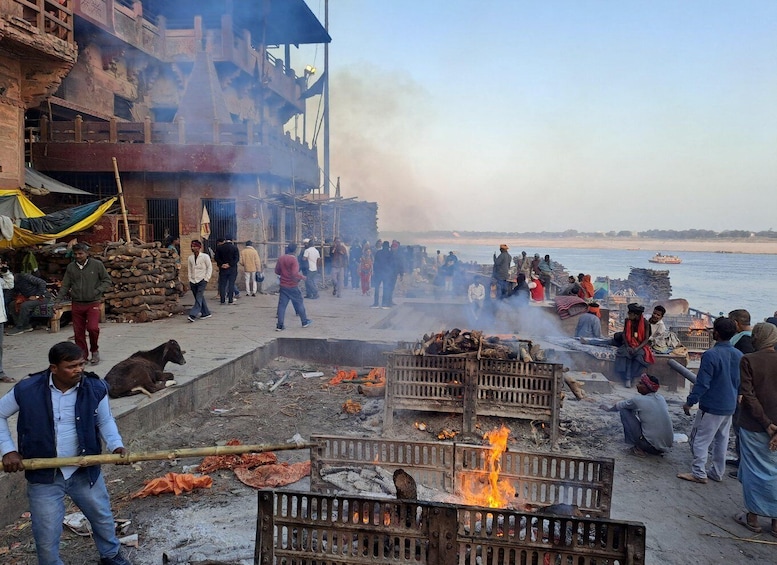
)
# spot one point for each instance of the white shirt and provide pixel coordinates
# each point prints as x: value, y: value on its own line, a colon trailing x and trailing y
x: 6, y: 281
x: 476, y: 292
x: 200, y: 267
x: 312, y: 255
x: 64, y: 411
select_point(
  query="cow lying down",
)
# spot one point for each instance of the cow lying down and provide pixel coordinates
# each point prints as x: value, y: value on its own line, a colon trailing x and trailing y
x: 143, y: 372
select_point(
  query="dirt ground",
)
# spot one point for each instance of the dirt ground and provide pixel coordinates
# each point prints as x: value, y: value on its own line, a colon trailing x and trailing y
x: 686, y: 523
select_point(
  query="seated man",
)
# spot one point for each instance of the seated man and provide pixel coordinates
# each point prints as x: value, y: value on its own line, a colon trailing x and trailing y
x: 572, y: 289
x: 589, y: 325
x: 661, y: 339
x: 647, y: 426
x: 30, y: 292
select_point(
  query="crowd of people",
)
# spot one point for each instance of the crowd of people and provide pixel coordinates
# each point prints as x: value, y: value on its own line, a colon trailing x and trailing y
x: 735, y: 388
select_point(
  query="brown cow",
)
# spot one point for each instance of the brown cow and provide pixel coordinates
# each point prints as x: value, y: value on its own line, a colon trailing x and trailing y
x: 143, y: 372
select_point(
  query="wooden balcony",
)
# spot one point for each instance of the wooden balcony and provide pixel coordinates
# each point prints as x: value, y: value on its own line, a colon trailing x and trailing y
x: 49, y: 18
x: 126, y: 21
x: 170, y: 147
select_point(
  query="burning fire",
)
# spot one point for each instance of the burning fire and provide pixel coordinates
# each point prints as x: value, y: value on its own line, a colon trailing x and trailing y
x: 489, y: 490
x: 698, y: 324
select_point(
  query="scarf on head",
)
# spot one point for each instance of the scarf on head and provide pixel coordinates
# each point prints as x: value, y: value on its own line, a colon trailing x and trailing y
x: 586, y: 288
x: 634, y: 338
x: 764, y: 336
x: 595, y: 310
x: 645, y: 380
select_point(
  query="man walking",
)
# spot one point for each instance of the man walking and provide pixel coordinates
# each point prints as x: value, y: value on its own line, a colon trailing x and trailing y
x: 339, y: 256
x: 227, y: 257
x: 287, y: 268
x: 87, y: 280
x: 252, y: 264
x: 717, y: 383
x: 313, y: 258
x: 63, y: 412
x: 382, y: 269
x: 200, y: 271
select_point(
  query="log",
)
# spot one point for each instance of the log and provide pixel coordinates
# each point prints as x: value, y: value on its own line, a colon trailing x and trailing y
x: 106, y: 458
x: 575, y: 387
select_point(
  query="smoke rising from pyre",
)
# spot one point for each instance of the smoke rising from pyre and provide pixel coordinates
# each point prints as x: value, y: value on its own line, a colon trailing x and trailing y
x: 377, y: 119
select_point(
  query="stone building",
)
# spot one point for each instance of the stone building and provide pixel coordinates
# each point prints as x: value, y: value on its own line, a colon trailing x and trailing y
x: 189, y: 98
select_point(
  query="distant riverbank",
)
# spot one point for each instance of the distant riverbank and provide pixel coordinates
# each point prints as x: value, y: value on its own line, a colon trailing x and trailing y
x: 753, y: 246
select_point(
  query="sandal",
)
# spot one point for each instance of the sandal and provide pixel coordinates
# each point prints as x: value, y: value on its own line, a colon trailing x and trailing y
x: 741, y: 518
x: 7, y: 379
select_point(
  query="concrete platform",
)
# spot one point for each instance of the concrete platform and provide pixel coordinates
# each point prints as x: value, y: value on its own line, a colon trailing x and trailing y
x: 593, y: 383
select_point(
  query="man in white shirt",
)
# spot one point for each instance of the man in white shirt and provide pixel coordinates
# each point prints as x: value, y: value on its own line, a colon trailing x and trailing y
x: 200, y: 271
x: 313, y: 257
x: 476, y: 294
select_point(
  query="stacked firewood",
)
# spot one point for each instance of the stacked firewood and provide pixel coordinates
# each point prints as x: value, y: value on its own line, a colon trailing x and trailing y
x: 456, y: 341
x: 146, y: 285
x: 651, y: 284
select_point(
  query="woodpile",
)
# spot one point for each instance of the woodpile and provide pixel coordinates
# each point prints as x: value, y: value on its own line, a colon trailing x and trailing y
x: 146, y: 283
x: 650, y: 284
x: 642, y: 285
x: 456, y: 341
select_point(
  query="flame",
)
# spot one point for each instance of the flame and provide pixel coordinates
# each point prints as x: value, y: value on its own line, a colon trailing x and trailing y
x: 489, y: 490
x: 698, y: 324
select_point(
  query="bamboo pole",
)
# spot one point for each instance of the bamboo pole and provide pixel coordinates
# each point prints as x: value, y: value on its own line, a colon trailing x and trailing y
x: 105, y: 458
x: 121, y: 200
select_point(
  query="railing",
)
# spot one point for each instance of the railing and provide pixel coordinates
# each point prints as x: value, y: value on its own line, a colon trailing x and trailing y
x: 178, y: 132
x: 50, y: 17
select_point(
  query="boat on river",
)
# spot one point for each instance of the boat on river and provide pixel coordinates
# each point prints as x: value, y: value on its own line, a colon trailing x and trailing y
x: 665, y: 259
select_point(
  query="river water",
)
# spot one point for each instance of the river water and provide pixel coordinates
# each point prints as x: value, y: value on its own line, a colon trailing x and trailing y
x: 711, y: 282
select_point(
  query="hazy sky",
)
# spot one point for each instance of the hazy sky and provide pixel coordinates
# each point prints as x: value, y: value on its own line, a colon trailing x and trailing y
x: 512, y: 115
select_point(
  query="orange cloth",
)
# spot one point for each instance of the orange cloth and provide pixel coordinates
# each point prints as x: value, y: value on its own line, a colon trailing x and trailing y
x: 173, y: 482
x: 633, y: 341
x: 273, y: 475
x: 215, y: 462
x: 587, y: 288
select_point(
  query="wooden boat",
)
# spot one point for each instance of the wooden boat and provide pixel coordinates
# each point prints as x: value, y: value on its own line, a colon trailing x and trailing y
x: 665, y: 259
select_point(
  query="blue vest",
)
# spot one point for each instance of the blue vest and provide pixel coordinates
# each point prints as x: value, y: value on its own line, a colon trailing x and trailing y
x: 35, y: 423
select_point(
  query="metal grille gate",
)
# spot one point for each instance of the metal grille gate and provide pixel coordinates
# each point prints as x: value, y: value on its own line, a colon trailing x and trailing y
x: 162, y: 214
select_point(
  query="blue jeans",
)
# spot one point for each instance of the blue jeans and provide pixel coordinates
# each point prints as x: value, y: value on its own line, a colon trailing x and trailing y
x: 295, y: 296
x: 47, y: 509
x: 311, y: 286
x: 200, y: 307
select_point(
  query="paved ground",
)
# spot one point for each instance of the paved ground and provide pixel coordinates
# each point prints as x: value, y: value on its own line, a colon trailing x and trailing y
x: 685, y: 522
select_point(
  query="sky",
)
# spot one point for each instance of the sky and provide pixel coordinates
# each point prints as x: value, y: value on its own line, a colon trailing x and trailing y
x: 515, y: 115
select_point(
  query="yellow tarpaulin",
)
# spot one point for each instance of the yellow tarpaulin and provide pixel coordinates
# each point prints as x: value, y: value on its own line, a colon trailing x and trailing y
x: 23, y: 237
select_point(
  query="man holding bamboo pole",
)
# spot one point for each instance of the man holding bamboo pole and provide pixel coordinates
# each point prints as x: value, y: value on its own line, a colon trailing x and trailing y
x: 63, y: 412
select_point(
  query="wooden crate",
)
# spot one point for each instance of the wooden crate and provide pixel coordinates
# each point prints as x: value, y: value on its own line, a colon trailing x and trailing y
x: 464, y: 384
x: 297, y: 528
x: 539, y: 479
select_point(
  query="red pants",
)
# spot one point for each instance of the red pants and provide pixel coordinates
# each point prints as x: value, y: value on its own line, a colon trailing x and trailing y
x: 86, y: 317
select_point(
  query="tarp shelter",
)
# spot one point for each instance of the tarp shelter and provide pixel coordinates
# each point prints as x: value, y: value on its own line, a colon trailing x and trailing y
x: 23, y: 224
x: 39, y: 184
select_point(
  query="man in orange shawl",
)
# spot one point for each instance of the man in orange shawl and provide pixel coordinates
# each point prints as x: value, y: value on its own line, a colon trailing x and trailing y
x: 586, y: 288
x: 633, y: 353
